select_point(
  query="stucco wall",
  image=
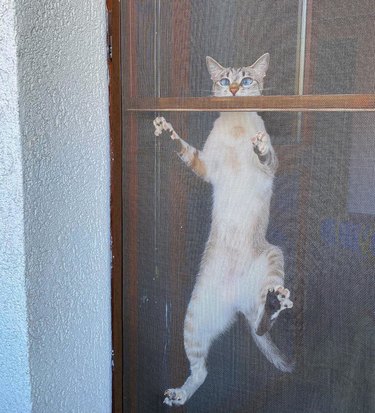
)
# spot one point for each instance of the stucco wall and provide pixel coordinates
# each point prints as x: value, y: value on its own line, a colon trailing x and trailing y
x: 65, y: 138
x: 14, y: 366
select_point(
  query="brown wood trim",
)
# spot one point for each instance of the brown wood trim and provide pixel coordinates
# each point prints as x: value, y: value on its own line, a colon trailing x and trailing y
x: 289, y: 103
x: 113, y: 8
x: 130, y: 206
x: 130, y: 273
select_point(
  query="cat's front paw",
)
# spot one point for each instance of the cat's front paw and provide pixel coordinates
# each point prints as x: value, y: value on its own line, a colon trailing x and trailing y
x: 161, y: 125
x: 261, y: 143
x: 175, y: 397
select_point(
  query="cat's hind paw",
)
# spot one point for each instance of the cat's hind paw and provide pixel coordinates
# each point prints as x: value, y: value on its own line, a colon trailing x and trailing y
x: 277, y: 300
x: 283, y: 302
x: 161, y: 125
x: 175, y: 397
x: 261, y: 143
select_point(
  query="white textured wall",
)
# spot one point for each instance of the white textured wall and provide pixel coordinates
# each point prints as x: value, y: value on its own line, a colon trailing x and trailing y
x: 64, y: 123
x: 14, y: 366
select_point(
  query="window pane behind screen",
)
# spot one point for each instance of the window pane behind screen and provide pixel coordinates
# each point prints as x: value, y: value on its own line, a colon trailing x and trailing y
x: 338, y: 58
x: 322, y: 216
x: 235, y: 33
x: 342, y: 55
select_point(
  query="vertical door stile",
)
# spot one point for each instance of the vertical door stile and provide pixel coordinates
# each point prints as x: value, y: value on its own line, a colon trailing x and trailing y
x: 130, y: 149
x: 115, y: 96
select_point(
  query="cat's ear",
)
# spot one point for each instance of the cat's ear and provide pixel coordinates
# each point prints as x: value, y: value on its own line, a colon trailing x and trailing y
x: 214, y: 68
x: 261, y: 65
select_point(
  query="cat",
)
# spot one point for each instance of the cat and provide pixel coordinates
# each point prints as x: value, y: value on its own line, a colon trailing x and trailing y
x: 240, y: 270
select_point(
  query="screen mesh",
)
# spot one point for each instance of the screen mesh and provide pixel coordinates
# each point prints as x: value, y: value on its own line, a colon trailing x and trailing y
x: 322, y: 210
x: 321, y: 216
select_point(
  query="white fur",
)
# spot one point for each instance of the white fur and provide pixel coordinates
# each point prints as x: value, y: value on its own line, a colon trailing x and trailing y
x: 235, y: 272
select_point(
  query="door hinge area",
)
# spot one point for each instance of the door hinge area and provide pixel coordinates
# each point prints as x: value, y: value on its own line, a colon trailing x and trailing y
x: 109, y: 35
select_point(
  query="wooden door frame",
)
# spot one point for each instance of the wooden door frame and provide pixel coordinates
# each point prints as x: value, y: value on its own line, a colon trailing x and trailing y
x: 115, y: 120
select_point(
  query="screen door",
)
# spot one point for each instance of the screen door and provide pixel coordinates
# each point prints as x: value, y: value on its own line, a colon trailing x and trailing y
x: 319, y: 112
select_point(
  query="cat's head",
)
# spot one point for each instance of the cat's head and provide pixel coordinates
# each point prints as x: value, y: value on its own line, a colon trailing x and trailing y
x: 242, y: 81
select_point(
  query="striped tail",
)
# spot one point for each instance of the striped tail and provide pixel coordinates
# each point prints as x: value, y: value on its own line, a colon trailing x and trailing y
x: 272, y: 353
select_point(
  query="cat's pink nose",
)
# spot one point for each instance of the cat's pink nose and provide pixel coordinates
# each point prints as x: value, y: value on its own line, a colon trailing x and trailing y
x: 234, y: 87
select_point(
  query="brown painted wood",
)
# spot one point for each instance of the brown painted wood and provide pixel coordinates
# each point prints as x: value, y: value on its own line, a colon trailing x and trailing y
x: 131, y: 269
x: 130, y: 205
x: 113, y: 8
x: 292, y: 103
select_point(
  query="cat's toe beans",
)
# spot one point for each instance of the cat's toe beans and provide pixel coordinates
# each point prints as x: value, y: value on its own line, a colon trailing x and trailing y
x: 262, y: 147
x: 284, y: 292
x: 174, y: 397
x: 279, y: 288
x: 282, y: 295
x: 168, y: 401
x: 287, y: 303
x: 256, y: 138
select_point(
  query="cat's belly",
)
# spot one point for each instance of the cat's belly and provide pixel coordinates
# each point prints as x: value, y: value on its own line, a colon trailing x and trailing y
x: 227, y: 264
x: 237, y: 213
x: 240, y: 247
x: 232, y: 277
x: 243, y: 187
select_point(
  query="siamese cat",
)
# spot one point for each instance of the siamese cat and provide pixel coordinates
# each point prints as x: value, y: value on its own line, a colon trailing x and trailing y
x: 240, y: 270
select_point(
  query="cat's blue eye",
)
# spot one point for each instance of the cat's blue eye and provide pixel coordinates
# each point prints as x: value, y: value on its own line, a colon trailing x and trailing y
x: 246, y: 82
x: 225, y: 82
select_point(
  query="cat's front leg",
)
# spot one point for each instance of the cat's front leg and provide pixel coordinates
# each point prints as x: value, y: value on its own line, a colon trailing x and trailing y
x: 262, y: 146
x: 190, y: 155
x: 181, y: 146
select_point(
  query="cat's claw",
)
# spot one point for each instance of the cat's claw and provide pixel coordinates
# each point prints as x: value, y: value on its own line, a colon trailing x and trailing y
x: 175, y: 397
x: 261, y: 143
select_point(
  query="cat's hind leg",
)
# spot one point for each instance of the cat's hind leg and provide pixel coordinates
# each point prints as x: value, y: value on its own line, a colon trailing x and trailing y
x: 274, y: 298
x: 207, y: 316
x: 269, y: 298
